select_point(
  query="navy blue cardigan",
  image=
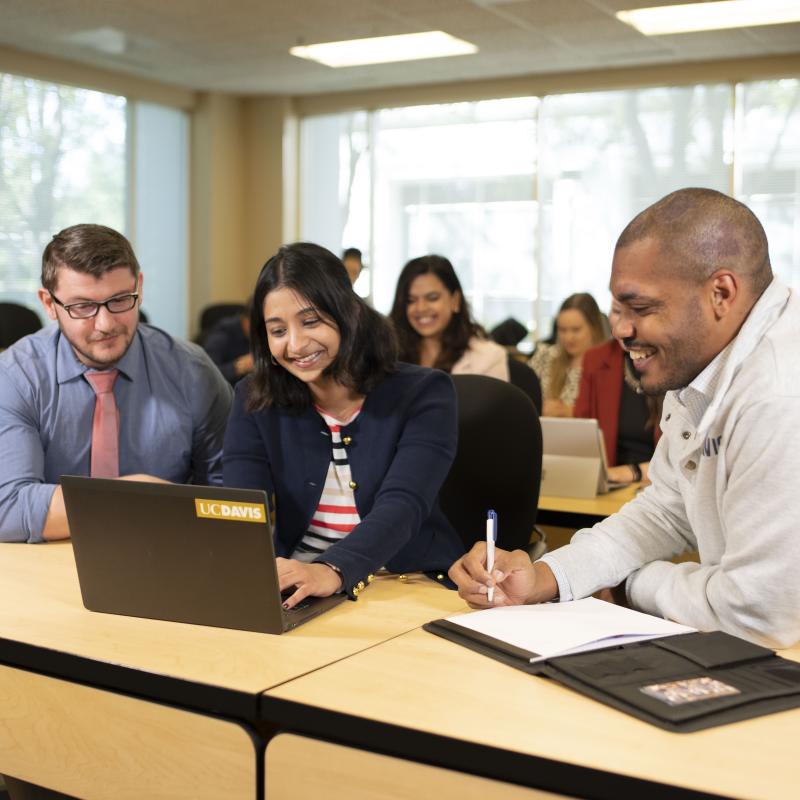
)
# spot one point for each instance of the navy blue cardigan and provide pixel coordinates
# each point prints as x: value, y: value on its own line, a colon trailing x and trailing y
x: 400, y: 449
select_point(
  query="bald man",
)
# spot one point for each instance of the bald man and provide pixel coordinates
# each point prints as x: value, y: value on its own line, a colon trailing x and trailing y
x: 705, y: 321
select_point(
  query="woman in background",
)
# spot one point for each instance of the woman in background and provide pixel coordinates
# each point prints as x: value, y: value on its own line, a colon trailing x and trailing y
x: 610, y: 393
x: 434, y: 325
x: 579, y: 326
x: 353, y: 445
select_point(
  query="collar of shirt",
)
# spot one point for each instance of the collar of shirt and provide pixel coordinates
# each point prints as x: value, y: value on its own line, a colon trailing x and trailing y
x: 704, y: 395
x: 697, y: 396
x: 69, y: 367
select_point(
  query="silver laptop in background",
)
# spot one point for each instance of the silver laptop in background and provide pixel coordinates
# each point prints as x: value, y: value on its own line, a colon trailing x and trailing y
x: 196, y: 554
x: 574, y: 460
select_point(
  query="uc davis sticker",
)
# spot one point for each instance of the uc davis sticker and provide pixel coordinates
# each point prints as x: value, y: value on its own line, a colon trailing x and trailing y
x: 236, y: 512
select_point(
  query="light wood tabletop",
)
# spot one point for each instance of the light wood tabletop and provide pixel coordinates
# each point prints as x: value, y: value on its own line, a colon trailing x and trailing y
x: 182, y: 717
x: 44, y: 609
x: 440, y: 688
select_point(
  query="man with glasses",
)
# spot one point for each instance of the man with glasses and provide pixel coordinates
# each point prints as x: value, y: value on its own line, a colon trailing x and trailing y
x: 99, y: 394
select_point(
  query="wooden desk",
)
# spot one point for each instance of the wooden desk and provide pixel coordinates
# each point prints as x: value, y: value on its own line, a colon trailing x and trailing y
x: 97, y: 705
x: 422, y: 699
x: 342, y: 773
x: 576, y: 512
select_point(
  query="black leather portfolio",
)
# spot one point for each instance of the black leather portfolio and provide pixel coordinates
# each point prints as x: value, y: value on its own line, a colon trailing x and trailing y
x: 680, y: 683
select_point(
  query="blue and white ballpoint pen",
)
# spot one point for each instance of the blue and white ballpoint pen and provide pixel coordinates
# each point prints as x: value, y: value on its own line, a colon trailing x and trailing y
x: 491, y: 538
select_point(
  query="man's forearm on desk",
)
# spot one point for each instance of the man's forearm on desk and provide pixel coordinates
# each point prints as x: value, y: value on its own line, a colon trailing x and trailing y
x: 56, y: 525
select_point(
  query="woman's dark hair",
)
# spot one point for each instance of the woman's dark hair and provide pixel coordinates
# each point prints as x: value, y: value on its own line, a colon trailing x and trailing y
x: 367, y: 351
x: 456, y: 335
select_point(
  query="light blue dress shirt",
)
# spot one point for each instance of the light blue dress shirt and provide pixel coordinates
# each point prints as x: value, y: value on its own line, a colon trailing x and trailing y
x: 173, y: 405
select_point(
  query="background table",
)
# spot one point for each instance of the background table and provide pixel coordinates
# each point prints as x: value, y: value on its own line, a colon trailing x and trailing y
x: 578, y: 512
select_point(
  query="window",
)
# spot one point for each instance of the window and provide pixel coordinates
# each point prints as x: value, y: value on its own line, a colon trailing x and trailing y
x: 437, y: 183
x: 768, y: 175
x: 62, y: 161
x: 527, y: 196
x: 336, y: 186
x: 66, y: 157
x: 458, y: 180
x: 604, y: 157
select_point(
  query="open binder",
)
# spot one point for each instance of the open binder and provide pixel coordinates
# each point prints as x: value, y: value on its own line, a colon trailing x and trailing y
x: 679, y: 683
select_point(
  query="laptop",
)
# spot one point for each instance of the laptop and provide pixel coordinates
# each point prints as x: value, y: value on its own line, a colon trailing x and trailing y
x: 196, y: 554
x: 574, y: 462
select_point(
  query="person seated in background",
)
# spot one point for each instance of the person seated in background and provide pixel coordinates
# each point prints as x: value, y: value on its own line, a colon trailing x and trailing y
x: 610, y: 392
x: 353, y: 263
x: 509, y: 333
x: 99, y: 394
x: 228, y: 345
x: 579, y: 326
x: 434, y: 324
x: 704, y: 321
x: 353, y: 445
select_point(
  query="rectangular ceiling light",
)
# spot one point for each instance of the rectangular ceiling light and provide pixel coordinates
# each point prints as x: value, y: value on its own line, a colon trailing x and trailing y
x: 385, y: 49
x: 687, y: 17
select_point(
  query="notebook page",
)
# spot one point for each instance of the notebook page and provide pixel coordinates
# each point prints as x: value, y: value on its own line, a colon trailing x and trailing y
x: 553, y: 628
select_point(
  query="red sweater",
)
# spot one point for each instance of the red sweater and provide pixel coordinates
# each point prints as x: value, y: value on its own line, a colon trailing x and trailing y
x: 600, y: 392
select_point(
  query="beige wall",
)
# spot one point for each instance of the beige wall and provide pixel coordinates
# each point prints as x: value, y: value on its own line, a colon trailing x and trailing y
x: 269, y: 127
x: 57, y: 70
x: 216, y: 251
x: 237, y: 193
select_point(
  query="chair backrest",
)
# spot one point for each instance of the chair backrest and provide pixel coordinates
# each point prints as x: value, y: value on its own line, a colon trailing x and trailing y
x: 509, y: 333
x: 212, y: 314
x: 522, y: 376
x: 498, y: 463
x: 16, y: 321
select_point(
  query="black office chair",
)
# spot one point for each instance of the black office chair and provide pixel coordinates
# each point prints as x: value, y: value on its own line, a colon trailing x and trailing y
x: 498, y: 464
x: 16, y: 321
x: 509, y: 333
x: 523, y: 377
x: 215, y: 312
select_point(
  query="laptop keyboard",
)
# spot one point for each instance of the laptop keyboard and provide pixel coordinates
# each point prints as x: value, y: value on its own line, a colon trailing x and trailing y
x: 304, y: 603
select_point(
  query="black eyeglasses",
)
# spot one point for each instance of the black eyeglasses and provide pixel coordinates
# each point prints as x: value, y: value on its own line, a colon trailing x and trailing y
x: 87, y: 310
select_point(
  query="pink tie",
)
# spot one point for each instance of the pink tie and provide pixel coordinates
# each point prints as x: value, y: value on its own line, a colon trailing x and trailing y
x: 105, y: 426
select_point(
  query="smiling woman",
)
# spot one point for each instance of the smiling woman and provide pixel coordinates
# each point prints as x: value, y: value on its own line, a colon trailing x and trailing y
x: 351, y: 445
x: 434, y: 323
x: 579, y: 326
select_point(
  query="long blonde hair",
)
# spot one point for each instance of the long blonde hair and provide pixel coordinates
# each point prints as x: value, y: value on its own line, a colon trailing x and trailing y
x: 559, y: 366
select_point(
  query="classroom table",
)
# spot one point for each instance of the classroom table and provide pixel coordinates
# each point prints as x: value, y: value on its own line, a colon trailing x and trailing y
x: 358, y: 702
x: 105, y: 706
x: 419, y: 704
x: 579, y: 512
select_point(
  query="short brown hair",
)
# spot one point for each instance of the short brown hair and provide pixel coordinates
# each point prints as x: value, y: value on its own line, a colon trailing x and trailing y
x: 92, y: 249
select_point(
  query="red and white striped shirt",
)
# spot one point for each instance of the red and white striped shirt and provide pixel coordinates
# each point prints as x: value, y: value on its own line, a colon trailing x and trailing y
x: 336, y: 514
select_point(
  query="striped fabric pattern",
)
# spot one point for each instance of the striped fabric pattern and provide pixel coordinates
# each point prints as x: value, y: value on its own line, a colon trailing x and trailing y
x: 336, y: 514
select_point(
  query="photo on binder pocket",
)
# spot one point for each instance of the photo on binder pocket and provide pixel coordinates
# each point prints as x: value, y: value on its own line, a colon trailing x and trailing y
x: 691, y: 690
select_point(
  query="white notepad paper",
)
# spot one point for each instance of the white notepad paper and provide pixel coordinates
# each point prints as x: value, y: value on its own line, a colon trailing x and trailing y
x: 552, y: 629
